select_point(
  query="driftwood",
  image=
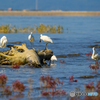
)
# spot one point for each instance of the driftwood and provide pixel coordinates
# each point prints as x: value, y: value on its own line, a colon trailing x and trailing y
x: 20, y: 53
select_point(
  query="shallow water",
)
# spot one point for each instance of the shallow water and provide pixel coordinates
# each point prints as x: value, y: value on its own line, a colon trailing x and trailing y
x: 79, y: 33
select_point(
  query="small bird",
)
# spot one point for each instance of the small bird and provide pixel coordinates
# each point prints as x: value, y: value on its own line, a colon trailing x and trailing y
x: 94, y: 56
x: 46, y: 39
x: 31, y: 38
x: 3, y: 42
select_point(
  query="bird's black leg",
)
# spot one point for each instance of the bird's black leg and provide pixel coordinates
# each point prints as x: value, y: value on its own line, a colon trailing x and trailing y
x: 40, y: 40
x: 49, y: 62
x: 46, y: 46
x: 53, y: 61
x: 31, y: 44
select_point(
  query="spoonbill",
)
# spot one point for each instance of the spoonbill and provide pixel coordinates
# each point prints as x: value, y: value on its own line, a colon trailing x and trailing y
x: 46, y: 39
x: 3, y: 42
x: 53, y: 58
x: 94, y: 56
x: 31, y: 38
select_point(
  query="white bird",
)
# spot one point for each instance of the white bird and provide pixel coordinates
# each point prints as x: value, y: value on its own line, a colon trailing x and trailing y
x: 3, y: 42
x: 94, y: 56
x: 31, y: 38
x: 53, y: 58
x: 46, y: 39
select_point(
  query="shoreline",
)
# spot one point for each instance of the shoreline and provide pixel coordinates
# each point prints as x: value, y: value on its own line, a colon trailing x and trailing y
x: 49, y: 13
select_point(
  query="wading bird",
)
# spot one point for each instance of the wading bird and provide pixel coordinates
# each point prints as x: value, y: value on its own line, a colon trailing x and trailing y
x: 53, y: 58
x: 31, y: 38
x: 94, y: 56
x: 46, y: 39
x: 3, y: 42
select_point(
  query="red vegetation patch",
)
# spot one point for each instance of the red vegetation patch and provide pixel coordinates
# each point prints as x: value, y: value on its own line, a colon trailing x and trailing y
x: 7, y: 90
x: 94, y: 67
x: 71, y: 79
x: 52, y: 84
x: 89, y: 85
x: 15, y: 65
x: 88, y: 54
x: 18, y: 86
x: 62, y: 61
x: 3, y: 79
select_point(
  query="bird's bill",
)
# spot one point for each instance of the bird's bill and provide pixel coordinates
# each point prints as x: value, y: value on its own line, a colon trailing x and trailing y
x: 40, y: 40
x: 31, y: 33
x: 96, y: 51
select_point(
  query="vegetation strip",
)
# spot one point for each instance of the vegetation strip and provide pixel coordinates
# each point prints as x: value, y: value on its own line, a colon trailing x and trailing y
x: 36, y: 29
x: 49, y: 13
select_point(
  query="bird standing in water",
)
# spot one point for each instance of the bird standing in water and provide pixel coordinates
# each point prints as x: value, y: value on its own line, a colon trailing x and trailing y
x: 46, y: 39
x: 94, y: 56
x: 53, y: 58
x: 31, y: 39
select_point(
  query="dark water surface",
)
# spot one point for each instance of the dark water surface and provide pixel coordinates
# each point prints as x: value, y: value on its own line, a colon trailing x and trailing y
x: 79, y: 33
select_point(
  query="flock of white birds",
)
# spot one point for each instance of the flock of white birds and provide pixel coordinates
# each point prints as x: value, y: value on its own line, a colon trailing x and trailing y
x: 3, y: 42
x: 46, y: 39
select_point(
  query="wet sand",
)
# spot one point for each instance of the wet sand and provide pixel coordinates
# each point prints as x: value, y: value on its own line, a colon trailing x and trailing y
x: 49, y: 13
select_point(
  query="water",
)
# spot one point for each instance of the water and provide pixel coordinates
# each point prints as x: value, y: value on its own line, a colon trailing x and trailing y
x: 69, y: 5
x: 79, y: 33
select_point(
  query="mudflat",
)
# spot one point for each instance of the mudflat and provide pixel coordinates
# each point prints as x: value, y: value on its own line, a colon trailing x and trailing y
x: 49, y: 13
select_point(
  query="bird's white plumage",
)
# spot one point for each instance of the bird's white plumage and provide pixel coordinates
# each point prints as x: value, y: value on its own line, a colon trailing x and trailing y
x: 3, y: 38
x: 95, y: 56
x: 53, y: 58
x: 46, y: 38
x: 31, y: 38
x: 3, y: 42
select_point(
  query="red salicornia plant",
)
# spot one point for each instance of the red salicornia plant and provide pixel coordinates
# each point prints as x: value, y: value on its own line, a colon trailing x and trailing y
x: 94, y: 67
x: 91, y: 88
x: 62, y: 61
x: 98, y: 87
x: 7, y: 90
x: 3, y: 79
x: 88, y: 54
x: 51, y: 83
x: 89, y: 85
x: 15, y: 65
x: 53, y: 92
x: 71, y: 79
x: 18, y: 86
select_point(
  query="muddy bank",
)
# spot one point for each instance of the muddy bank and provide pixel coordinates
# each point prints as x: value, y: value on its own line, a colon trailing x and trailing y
x: 96, y: 46
x: 49, y: 13
x: 68, y: 55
